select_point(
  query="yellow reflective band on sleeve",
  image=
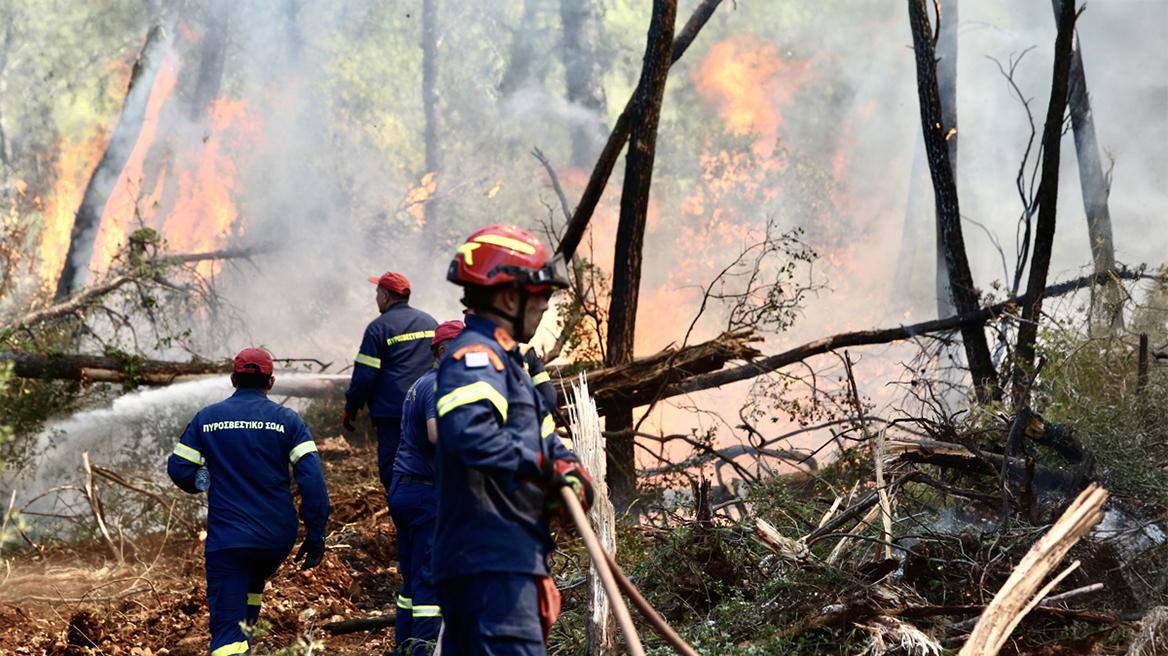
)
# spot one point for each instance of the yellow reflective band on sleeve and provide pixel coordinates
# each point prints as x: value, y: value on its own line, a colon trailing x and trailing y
x: 427, y: 611
x: 184, y: 451
x: 231, y: 649
x: 506, y: 242
x: 541, y: 378
x: 471, y: 393
x: 255, y: 598
x: 369, y: 360
x: 548, y: 427
x: 409, y: 337
x: 404, y: 602
x: 300, y: 450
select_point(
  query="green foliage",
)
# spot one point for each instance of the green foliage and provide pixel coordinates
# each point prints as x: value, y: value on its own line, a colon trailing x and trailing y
x: 1091, y: 384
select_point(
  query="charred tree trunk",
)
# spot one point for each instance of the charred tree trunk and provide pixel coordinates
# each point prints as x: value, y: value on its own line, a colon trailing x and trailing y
x: 584, y: 73
x: 1094, y: 185
x: 620, y: 133
x: 947, y: 88
x: 630, y: 236
x: 430, y: 104
x: 964, y: 295
x: 215, y: 26
x: 105, y: 176
x: 522, y: 50
x: 1048, y: 205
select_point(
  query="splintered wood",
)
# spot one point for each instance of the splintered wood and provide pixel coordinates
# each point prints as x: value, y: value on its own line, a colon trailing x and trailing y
x: 1017, y: 596
x: 589, y: 445
x: 642, y: 380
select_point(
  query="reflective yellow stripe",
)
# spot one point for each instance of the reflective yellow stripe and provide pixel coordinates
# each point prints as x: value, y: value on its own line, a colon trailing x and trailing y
x: 541, y: 378
x: 467, y: 251
x: 369, y: 360
x: 229, y: 650
x: 404, y: 602
x: 409, y: 337
x: 184, y: 451
x: 548, y: 427
x: 471, y: 393
x: 255, y: 598
x: 506, y: 242
x: 427, y: 611
x: 300, y: 450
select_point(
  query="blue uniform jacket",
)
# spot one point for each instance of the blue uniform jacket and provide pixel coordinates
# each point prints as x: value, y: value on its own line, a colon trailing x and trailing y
x: 394, y: 353
x: 494, y: 429
x: 539, y: 375
x: 415, y: 454
x: 247, y: 444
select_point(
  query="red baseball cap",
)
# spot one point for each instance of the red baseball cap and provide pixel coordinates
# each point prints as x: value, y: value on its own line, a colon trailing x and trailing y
x: 394, y: 282
x: 253, y: 361
x: 447, y: 330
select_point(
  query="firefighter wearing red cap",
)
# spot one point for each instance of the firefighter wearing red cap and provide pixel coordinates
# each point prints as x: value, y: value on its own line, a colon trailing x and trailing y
x: 239, y: 452
x: 499, y: 460
x: 394, y: 352
x: 414, y: 507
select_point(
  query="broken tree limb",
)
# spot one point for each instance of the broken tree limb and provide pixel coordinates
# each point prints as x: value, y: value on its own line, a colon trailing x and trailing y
x: 361, y: 624
x: 113, y: 476
x: 91, y: 295
x: 1014, y: 599
x: 95, y: 506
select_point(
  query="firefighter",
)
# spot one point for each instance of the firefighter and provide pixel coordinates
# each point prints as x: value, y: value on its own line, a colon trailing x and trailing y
x: 239, y: 451
x: 413, y: 505
x: 499, y: 461
x: 394, y: 353
x: 533, y: 365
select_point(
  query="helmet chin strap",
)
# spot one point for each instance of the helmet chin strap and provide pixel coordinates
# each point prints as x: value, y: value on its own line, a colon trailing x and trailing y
x: 518, y: 323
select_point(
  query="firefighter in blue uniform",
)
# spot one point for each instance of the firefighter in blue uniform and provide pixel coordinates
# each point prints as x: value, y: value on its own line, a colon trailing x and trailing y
x: 414, y: 507
x: 239, y: 452
x: 500, y: 463
x: 394, y: 352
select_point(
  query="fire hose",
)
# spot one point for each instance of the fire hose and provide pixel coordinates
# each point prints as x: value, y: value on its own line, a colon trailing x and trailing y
x: 615, y: 581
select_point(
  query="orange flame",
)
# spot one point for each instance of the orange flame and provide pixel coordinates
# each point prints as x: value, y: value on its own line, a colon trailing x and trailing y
x: 75, y: 164
x: 416, y: 197
x: 749, y: 81
x: 205, y: 215
x: 124, y: 201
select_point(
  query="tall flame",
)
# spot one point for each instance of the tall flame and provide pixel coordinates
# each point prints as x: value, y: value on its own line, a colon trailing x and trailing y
x: 125, y: 201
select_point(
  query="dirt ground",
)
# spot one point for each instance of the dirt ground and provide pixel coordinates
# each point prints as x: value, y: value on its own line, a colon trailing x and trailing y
x: 75, y: 600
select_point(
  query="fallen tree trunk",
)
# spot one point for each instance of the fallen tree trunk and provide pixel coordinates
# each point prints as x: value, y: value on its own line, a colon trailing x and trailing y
x: 98, y: 368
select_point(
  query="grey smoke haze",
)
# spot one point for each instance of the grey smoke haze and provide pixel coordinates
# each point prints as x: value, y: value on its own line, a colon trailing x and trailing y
x: 338, y: 87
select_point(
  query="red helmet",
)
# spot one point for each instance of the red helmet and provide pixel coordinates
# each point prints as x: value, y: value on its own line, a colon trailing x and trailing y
x: 506, y: 255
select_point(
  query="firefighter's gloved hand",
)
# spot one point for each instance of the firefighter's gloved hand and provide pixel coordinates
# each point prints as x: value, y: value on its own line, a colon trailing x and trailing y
x: 567, y: 473
x: 312, y: 553
x: 347, y: 421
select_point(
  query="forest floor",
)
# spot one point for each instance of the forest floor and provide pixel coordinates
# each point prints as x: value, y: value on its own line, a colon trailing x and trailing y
x: 70, y: 600
x: 715, y: 581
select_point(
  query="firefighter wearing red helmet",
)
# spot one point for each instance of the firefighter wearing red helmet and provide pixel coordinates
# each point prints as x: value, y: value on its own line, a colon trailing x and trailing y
x: 499, y: 461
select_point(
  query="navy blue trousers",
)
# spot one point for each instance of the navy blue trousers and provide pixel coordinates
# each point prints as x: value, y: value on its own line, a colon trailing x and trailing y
x: 491, y: 614
x: 388, y: 437
x: 235, y: 588
x: 414, y: 508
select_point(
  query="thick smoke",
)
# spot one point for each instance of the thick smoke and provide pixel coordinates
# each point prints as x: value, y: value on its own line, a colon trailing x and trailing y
x: 336, y: 88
